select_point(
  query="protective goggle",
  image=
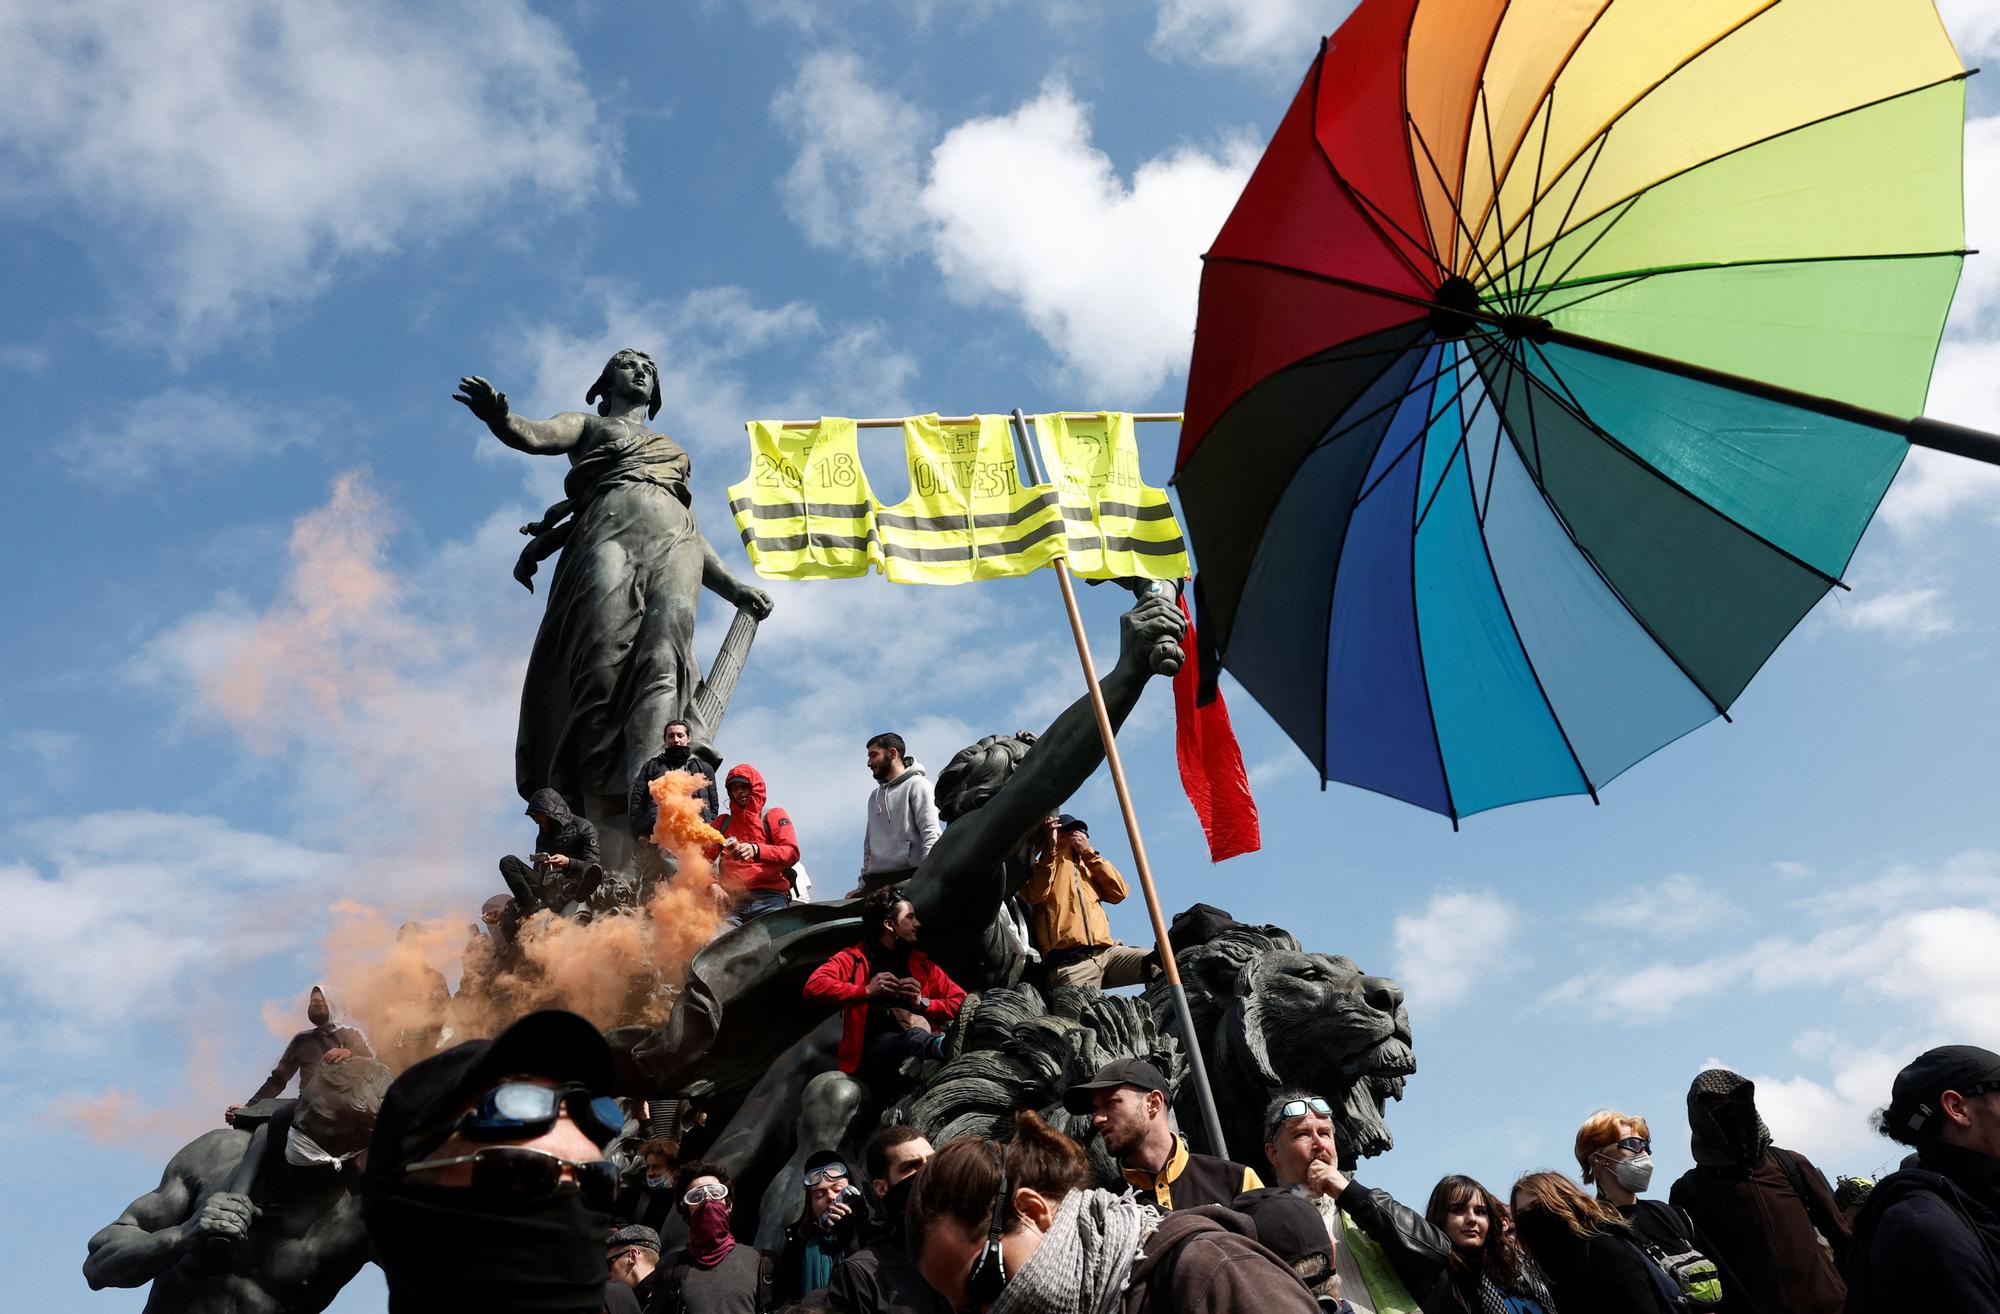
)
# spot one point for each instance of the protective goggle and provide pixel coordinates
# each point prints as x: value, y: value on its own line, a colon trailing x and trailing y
x: 522, y: 1110
x: 815, y: 1176
x: 706, y: 1191
x: 1299, y: 1109
x: 522, y: 1172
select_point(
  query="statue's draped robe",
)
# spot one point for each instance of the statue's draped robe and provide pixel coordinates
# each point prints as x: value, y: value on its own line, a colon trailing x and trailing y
x: 614, y: 658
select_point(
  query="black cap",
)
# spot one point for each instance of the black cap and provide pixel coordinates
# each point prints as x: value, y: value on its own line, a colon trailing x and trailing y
x: 634, y: 1234
x: 1287, y: 1223
x: 1913, y: 1104
x: 821, y: 1158
x: 1064, y: 821
x: 418, y: 1109
x: 1119, y: 1072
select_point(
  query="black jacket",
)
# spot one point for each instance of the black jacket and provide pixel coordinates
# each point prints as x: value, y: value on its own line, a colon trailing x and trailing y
x: 1929, y: 1238
x: 1606, y: 1274
x: 640, y: 809
x: 790, y: 1284
x: 881, y: 1278
x: 567, y: 834
x: 1418, y: 1251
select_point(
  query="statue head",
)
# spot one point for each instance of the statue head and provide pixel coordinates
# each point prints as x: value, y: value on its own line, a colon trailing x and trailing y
x: 607, y: 380
x: 976, y: 774
x: 338, y: 1107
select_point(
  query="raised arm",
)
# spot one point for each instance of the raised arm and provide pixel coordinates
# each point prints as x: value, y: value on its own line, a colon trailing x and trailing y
x: 550, y: 437
x: 718, y: 579
x: 165, y: 1224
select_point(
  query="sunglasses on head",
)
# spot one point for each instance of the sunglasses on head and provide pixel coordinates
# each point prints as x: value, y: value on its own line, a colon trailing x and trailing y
x: 1299, y: 1109
x: 522, y: 1172
x: 519, y: 1110
x: 988, y: 1277
x: 817, y: 1175
x: 706, y: 1191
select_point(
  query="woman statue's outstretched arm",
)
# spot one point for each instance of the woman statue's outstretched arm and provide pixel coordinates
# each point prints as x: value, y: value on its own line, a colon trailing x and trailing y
x: 549, y: 437
x: 717, y: 579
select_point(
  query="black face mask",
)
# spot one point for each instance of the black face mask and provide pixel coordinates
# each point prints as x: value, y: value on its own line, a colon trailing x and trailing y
x: 454, y: 1248
x: 1541, y: 1232
x: 894, y: 1205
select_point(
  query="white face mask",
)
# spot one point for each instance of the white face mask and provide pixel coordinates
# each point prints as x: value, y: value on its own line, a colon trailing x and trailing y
x: 658, y: 1183
x: 303, y: 1151
x: 1635, y: 1173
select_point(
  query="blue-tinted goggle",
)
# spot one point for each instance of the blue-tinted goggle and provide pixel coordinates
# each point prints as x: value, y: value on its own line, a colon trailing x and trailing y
x: 520, y: 1110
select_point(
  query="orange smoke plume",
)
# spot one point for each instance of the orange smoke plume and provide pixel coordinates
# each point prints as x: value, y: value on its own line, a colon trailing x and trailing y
x: 680, y: 824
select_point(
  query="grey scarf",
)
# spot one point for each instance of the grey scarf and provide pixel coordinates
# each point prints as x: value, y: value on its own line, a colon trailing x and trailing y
x: 1081, y: 1265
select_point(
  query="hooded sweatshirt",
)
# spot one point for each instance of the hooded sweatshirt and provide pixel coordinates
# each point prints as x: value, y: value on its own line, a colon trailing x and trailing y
x: 305, y: 1051
x: 566, y: 833
x: 902, y: 823
x: 1740, y: 1196
x: 770, y: 829
x: 1929, y: 1237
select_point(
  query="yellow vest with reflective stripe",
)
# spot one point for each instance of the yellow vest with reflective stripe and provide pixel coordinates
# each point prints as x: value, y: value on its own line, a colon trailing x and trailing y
x: 804, y: 510
x: 969, y: 515
x: 1117, y: 525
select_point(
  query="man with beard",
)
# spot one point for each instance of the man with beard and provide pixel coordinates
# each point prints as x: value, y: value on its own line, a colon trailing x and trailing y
x: 1127, y: 1104
x: 487, y: 1187
x: 674, y: 755
x: 1367, y: 1227
x: 902, y: 815
x: 880, y: 1277
x: 254, y: 1222
x: 892, y: 992
x: 306, y: 1052
x: 1765, y: 1209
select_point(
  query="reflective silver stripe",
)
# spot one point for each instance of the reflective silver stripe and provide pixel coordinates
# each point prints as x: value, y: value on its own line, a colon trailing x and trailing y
x: 793, y: 542
x: 785, y: 511
x: 891, y: 548
x: 1117, y: 543
x: 1156, y: 511
x: 984, y: 520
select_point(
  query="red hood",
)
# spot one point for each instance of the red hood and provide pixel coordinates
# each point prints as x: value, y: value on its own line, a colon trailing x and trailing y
x: 757, y: 792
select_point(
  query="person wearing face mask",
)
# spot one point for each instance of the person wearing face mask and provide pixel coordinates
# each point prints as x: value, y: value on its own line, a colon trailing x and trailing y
x: 826, y: 1230
x: 1588, y: 1255
x: 1015, y: 1229
x: 1488, y: 1273
x: 327, y: 1038
x: 1768, y: 1211
x: 650, y: 1200
x: 713, y: 1273
x: 880, y: 1278
x: 486, y: 1186
x: 1615, y: 1153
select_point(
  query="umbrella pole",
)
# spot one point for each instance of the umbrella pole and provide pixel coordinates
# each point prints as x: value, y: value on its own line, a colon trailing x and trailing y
x: 1169, y: 965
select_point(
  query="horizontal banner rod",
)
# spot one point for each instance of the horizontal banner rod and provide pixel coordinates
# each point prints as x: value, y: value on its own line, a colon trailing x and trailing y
x: 885, y: 422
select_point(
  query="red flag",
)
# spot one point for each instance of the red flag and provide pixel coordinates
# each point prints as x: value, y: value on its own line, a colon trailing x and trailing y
x: 1212, y: 763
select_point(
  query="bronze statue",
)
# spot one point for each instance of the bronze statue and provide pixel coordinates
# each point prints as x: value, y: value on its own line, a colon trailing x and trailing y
x: 254, y: 1222
x: 614, y: 659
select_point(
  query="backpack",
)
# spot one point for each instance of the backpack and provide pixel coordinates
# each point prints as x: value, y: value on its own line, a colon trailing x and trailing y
x: 791, y: 873
x: 1790, y: 1167
x: 1693, y: 1274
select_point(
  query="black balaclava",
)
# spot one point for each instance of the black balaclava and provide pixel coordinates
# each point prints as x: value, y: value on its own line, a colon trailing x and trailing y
x: 896, y: 1203
x: 447, y: 1248
x: 1729, y: 1134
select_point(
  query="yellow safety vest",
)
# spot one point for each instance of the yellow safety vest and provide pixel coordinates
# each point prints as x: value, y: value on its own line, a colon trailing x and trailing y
x: 1118, y: 526
x: 804, y: 510
x: 969, y: 516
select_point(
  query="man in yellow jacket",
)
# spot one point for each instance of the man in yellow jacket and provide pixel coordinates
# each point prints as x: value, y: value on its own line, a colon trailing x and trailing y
x: 1066, y: 894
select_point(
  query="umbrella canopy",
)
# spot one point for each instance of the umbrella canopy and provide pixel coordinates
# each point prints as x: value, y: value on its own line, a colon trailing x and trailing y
x: 1476, y: 519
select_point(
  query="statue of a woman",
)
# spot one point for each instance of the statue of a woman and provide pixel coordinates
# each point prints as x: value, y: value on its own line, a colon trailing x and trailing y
x: 614, y: 659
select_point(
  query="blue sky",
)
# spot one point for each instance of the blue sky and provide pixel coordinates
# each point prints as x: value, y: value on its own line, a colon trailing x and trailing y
x: 265, y: 652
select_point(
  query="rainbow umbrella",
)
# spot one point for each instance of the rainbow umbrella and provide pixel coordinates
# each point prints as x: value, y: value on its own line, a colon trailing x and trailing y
x: 1551, y: 365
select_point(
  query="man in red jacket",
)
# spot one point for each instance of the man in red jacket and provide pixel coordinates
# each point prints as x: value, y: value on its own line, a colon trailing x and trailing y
x: 760, y: 849
x: 892, y: 992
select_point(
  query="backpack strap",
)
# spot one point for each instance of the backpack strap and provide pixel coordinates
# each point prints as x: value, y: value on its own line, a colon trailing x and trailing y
x: 1790, y: 1166
x: 767, y: 1278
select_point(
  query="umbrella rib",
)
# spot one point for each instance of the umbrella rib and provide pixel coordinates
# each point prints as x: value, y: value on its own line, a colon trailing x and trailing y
x: 1542, y: 288
x: 1369, y: 210
x: 1528, y: 242
x: 1423, y: 672
x: 1460, y: 446
x: 1493, y: 172
x: 1408, y: 447
x: 1565, y: 228
x: 1500, y: 591
x: 1575, y: 408
x: 1500, y: 435
x: 1711, y: 266
x: 1528, y: 393
x: 1465, y: 139
x: 1630, y: 105
x: 1457, y: 215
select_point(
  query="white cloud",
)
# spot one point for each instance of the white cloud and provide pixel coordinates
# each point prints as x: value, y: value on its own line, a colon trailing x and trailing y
x: 1460, y: 938
x: 1677, y: 905
x: 1974, y: 25
x: 1826, y: 1119
x: 1253, y: 33
x: 176, y: 430
x: 229, y: 158
x: 1104, y: 271
x: 857, y: 177
x: 1907, y: 615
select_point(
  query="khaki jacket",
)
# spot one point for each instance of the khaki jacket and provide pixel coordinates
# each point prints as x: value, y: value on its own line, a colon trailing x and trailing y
x: 1067, y: 899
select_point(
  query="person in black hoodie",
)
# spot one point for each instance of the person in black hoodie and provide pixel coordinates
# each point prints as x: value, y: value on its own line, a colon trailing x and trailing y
x: 674, y: 755
x: 1588, y: 1254
x: 880, y: 1277
x: 566, y: 861
x: 1928, y: 1237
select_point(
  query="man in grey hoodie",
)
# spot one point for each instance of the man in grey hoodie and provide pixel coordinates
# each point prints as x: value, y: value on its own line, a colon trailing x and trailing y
x: 902, y: 815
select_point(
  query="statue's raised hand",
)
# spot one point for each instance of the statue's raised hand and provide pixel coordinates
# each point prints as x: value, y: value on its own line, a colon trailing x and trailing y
x: 1149, y: 635
x: 482, y: 399
x: 753, y: 600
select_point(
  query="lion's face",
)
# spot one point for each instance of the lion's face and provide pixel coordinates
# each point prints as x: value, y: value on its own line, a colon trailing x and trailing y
x: 1315, y: 1021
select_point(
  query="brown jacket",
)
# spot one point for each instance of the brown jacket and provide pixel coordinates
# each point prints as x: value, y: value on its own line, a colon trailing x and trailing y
x: 1765, y: 1232
x: 1068, y: 899
x: 1209, y: 1262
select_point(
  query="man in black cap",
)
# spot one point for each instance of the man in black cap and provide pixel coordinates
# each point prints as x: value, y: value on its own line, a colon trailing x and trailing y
x: 487, y: 1187
x: 1066, y: 892
x: 632, y: 1254
x: 1127, y: 1104
x: 1929, y: 1236
x: 825, y: 1231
